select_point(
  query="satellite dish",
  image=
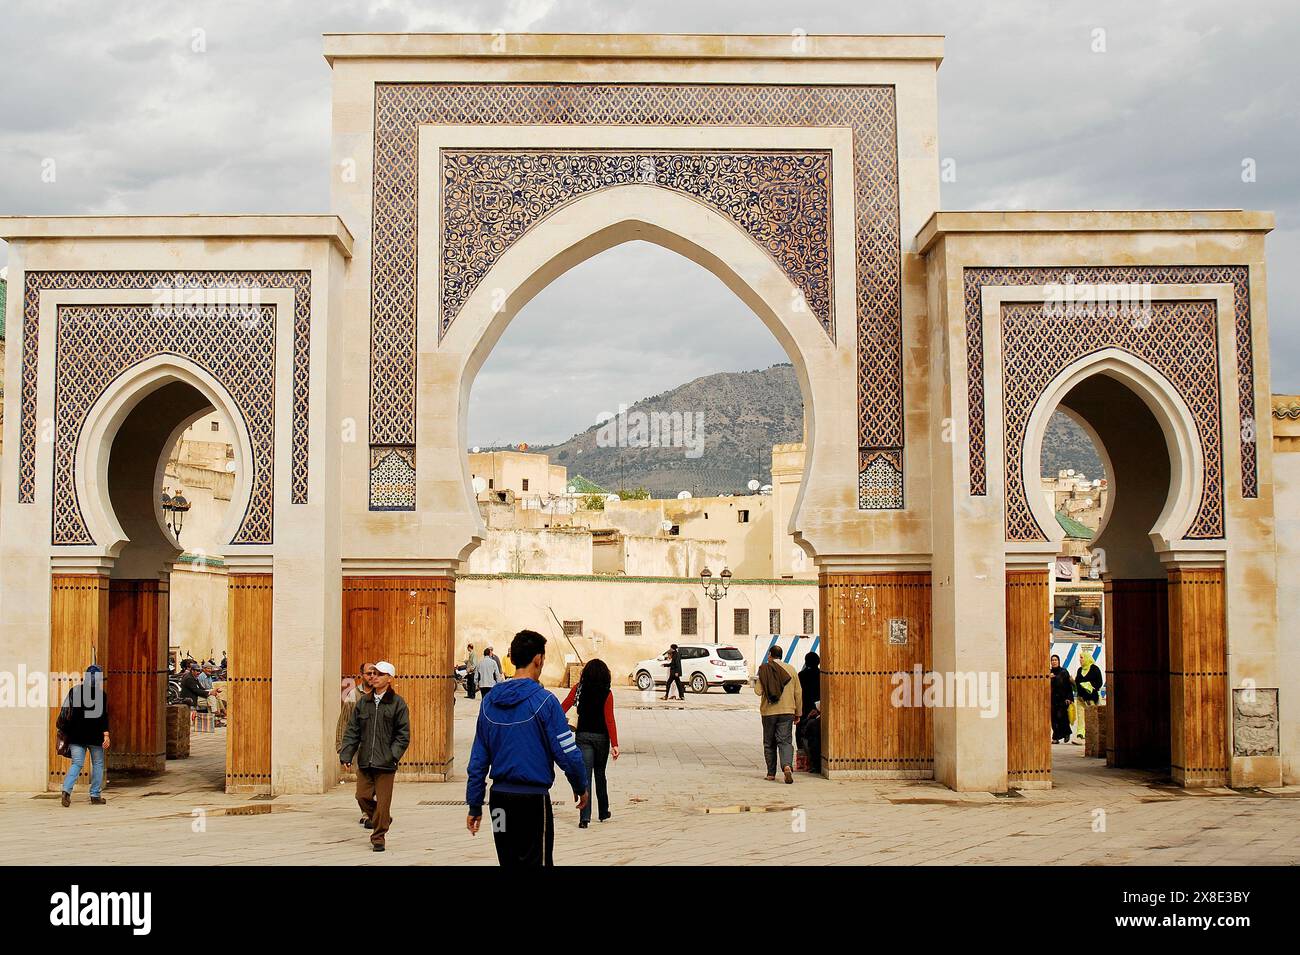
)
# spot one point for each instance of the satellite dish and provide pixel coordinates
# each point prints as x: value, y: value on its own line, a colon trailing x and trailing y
x: 474, y: 450
x: 1069, y: 472
x: 231, y: 467
x: 573, y: 489
x: 765, y: 489
x: 480, y: 485
x: 665, y: 526
x: 611, y: 497
x: 753, y: 485
x: 683, y: 495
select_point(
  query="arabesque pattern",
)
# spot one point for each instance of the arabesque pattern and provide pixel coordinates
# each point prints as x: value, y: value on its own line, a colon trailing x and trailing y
x: 1178, y: 339
x: 179, y: 288
x: 491, y: 197
x: 868, y: 111
x: 1238, y: 276
x: 96, y: 344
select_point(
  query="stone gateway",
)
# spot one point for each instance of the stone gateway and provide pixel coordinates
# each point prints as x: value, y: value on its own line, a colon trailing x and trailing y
x: 931, y: 348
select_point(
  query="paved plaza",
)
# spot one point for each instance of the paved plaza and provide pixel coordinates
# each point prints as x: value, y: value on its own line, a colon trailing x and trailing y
x: 688, y: 790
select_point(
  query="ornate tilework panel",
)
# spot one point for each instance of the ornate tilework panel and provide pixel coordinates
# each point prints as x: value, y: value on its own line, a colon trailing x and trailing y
x: 392, y: 478
x: 1180, y: 340
x: 1238, y: 276
x: 869, y: 111
x: 492, y: 197
x: 880, y: 480
x: 97, y: 343
x: 179, y: 287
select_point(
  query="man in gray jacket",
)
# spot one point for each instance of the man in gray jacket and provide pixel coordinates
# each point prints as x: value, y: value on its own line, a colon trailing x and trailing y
x: 376, y: 738
x: 488, y: 672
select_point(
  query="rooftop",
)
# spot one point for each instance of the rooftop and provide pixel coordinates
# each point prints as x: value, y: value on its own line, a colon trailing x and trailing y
x: 1073, y: 528
x: 1092, y: 220
x: 179, y: 226
x: 631, y: 46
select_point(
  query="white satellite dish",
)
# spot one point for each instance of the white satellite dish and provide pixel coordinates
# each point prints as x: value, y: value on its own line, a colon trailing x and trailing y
x: 753, y: 485
x: 665, y: 526
x: 573, y: 489
x: 474, y: 450
x: 231, y: 467
x: 683, y: 495
x: 765, y: 489
x: 611, y: 497
x: 480, y: 485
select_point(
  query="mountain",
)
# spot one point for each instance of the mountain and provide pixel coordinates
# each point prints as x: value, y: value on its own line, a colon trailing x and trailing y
x: 722, y: 435
x: 714, y: 434
x: 1066, y: 445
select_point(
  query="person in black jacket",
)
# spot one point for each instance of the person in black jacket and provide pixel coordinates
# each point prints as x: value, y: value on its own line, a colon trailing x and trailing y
x: 192, y: 690
x: 376, y: 739
x: 810, y: 686
x: 83, y: 719
x: 675, y: 673
x: 1062, y: 697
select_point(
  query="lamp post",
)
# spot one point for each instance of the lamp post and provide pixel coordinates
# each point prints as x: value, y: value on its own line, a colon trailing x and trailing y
x: 715, y: 590
x: 174, y: 508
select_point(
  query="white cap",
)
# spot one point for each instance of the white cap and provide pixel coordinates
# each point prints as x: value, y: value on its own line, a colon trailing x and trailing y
x: 383, y: 666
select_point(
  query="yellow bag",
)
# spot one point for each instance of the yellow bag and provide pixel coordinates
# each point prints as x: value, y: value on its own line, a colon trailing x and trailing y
x: 1071, y: 713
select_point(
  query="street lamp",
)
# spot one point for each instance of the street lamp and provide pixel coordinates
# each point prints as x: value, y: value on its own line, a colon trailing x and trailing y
x: 715, y: 590
x: 174, y: 508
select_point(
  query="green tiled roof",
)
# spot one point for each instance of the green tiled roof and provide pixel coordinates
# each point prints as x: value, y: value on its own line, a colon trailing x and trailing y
x: 581, y: 485
x: 1073, y: 528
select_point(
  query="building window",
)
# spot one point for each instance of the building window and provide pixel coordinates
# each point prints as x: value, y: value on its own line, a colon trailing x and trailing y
x: 216, y: 426
x: 631, y: 628
x: 690, y: 623
x: 742, y: 517
x: 490, y: 483
x: 573, y: 628
x: 741, y: 622
x: 774, y: 621
x: 675, y: 530
x: 525, y: 484
x: 808, y: 622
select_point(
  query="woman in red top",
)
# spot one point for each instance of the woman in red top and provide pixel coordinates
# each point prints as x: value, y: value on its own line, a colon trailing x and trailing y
x: 597, y: 734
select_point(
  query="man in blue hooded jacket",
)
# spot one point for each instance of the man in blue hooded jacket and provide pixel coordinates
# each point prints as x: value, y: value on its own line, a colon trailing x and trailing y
x: 521, y: 735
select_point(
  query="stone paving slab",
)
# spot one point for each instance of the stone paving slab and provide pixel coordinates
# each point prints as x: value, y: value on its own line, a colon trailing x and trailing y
x: 688, y: 789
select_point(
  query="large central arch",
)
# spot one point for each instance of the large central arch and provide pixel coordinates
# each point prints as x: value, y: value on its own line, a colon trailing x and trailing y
x: 589, y: 226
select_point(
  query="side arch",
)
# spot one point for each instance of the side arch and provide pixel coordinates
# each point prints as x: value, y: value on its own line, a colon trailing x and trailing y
x: 105, y: 418
x: 1187, y: 472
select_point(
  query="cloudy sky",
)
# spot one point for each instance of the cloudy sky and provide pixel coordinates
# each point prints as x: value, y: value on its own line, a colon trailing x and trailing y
x: 136, y: 121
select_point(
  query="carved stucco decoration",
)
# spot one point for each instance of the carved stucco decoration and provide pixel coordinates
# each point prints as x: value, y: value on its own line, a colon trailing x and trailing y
x: 868, y: 111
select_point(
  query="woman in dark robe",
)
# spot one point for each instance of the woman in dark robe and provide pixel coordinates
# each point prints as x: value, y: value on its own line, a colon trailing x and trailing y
x: 1062, y: 697
x: 810, y: 685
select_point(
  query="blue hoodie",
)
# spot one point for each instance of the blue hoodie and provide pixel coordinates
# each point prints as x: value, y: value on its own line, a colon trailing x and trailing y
x: 521, y: 732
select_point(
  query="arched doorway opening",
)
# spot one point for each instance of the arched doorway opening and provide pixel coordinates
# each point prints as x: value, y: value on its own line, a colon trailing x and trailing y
x: 135, y: 455
x: 1162, y: 622
x: 656, y: 404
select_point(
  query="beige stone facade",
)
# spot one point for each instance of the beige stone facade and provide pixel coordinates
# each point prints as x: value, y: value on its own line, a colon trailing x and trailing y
x: 931, y: 349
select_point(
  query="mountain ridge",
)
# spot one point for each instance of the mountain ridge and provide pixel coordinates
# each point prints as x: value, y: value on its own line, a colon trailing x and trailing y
x: 734, y: 419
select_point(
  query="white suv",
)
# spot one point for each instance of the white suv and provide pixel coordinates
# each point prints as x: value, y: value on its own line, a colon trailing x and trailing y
x: 703, y: 665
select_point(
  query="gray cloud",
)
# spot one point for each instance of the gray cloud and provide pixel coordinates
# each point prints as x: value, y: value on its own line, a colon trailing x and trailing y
x: 138, y: 122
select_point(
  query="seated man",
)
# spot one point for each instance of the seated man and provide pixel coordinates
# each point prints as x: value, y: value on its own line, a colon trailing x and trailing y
x: 215, y: 703
x: 192, y: 688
